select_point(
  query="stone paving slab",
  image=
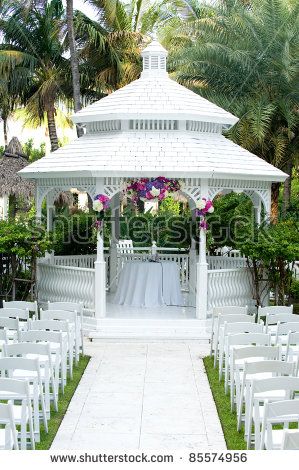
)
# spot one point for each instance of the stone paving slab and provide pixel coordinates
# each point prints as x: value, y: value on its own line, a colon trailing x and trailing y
x: 139, y: 396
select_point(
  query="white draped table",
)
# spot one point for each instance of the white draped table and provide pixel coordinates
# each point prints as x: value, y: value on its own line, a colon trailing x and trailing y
x: 146, y: 284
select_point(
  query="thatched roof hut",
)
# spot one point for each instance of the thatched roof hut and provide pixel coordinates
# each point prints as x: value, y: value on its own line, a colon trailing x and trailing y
x: 12, y: 161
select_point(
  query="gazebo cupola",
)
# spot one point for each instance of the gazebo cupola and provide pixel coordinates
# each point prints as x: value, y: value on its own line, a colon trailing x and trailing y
x: 154, y: 60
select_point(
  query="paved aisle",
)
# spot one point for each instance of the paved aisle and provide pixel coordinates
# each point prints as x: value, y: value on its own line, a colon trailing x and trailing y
x: 142, y: 396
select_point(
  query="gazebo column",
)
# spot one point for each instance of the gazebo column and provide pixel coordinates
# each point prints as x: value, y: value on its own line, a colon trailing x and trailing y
x: 115, y: 234
x: 100, y: 267
x: 202, y: 266
x: 50, y: 212
x: 257, y: 212
x: 192, y: 262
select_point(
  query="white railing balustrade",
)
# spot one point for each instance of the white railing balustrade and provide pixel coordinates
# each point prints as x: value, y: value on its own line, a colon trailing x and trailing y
x: 225, y: 262
x: 77, y: 261
x: 66, y: 284
x: 229, y: 287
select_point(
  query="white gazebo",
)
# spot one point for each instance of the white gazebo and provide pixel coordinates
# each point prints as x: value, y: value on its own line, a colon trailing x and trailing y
x: 151, y: 127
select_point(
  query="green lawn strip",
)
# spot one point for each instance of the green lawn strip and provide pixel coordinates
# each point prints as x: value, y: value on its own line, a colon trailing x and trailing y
x: 63, y: 403
x: 234, y: 439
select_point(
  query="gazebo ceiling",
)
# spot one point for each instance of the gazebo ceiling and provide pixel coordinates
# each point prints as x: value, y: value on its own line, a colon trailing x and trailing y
x: 150, y: 127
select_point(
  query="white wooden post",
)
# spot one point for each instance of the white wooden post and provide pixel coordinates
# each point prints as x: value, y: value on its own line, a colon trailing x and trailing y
x: 202, y: 267
x: 115, y: 234
x: 100, y: 279
x: 257, y: 212
x: 4, y: 203
x: 50, y: 212
x: 100, y: 267
x: 192, y: 264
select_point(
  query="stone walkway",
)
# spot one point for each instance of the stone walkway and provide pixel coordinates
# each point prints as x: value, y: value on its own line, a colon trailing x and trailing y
x: 134, y: 396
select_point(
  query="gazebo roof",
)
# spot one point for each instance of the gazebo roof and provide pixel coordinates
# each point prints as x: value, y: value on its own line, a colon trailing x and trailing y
x: 153, y: 153
x: 150, y: 127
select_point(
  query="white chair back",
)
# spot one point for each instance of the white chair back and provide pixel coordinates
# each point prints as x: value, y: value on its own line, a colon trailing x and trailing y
x: 23, y: 305
x: 69, y: 306
x: 51, y: 325
x: 273, y: 319
x: 241, y: 339
x: 14, y: 313
x: 285, y: 412
x: 62, y: 315
x: 283, y: 329
x: 276, y: 309
x: 16, y: 390
x: 10, y: 440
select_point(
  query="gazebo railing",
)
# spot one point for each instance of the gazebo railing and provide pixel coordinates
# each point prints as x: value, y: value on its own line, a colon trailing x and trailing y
x: 66, y: 284
x: 229, y: 287
x: 225, y: 262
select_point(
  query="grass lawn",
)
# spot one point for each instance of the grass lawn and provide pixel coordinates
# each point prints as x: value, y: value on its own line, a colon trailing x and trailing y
x: 234, y: 439
x: 63, y: 403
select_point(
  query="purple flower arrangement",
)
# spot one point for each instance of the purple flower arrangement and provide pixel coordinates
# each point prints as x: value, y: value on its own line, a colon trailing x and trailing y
x: 152, y: 189
x: 203, y: 207
x: 100, y: 204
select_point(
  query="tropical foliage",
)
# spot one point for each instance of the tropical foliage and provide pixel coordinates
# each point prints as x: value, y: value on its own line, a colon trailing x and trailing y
x: 271, y: 251
x: 244, y: 57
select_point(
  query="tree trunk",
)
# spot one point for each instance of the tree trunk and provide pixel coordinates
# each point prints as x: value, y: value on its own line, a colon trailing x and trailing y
x: 274, y: 202
x: 287, y: 187
x: 5, y: 132
x: 74, y: 62
x: 52, y: 129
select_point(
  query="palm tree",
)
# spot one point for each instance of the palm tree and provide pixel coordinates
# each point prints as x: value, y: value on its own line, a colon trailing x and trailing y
x: 74, y: 61
x: 245, y: 58
x: 110, y: 46
x: 34, y: 36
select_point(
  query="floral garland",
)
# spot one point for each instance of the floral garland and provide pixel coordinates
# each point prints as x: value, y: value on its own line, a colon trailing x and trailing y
x: 152, y: 189
x: 101, y: 204
x: 203, y: 207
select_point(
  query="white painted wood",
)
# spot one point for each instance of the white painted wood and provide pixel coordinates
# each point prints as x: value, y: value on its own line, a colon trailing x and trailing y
x: 229, y: 287
x: 66, y: 284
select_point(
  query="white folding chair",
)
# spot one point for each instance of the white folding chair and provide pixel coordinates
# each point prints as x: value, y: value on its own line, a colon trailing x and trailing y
x: 74, y: 322
x: 12, y: 327
x: 282, y: 331
x: 58, y: 346
x: 230, y: 318
x: 290, y: 440
x: 17, y: 392
x: 8, y: 435
x: 274, y: 310
x: 272, y: 389
x: 261, y: 369
x: 15, y: 313
x: 43, y: 352
x: 273, y: 319
x: 227, y: 310
x: 23, y: 305
x: 234, y: 328
x: 292, y: 348
x: 279, y: 412
x: 28, y: 369
x: 234, y: 342
x: 67, y: 331
x: 3, y: 339
x: 72, y: 307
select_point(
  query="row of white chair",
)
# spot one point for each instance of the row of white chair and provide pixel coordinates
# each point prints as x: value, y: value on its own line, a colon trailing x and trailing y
x: 35, y: 359
x: 261, y: 372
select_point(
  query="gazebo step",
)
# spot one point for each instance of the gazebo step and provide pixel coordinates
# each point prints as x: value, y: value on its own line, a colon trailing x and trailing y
x: 150, y: 329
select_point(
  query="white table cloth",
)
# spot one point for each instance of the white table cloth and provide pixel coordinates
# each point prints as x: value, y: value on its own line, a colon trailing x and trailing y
x: 146, y: 284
